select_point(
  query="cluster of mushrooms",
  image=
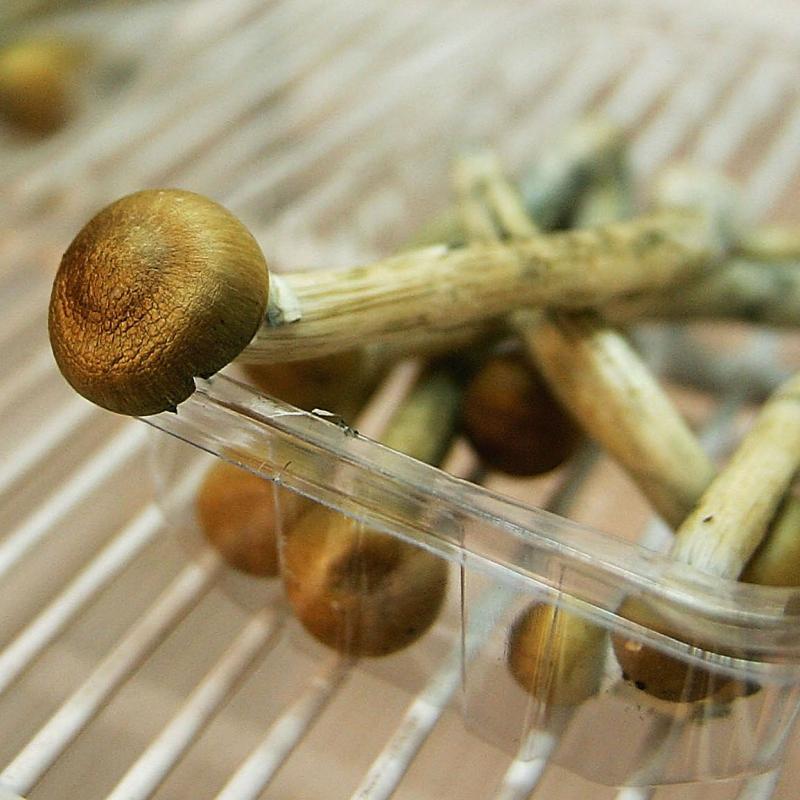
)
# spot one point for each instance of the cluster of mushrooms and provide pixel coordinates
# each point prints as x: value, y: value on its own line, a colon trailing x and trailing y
x: 517, y: 298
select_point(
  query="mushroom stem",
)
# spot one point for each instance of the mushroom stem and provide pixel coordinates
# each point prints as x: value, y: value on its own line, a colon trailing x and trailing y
x: 552, y: 653
x: 771, y: 243
x: 603, y: 381
x: 751, y: 375
x: 719, y: 536
x: 609, y: 198
x: 552, y: 185
x: 424, y: 425
x: 732, y: 516
x: 412, y: 295
x: 775, y: 561
x: 760, y: 292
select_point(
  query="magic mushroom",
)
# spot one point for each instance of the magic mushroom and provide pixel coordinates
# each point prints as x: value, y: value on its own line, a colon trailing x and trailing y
x: 513, y: 421
x: 359, y: 590
x: 732, y: 532
x: 163, y: 286
x: 719, y: 537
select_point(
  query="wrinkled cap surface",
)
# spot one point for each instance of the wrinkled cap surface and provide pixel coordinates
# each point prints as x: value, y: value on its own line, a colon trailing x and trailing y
x: 158, y: 288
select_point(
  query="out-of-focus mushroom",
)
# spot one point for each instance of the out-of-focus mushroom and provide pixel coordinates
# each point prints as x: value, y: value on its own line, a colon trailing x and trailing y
x: 358, y: 590
x: 241, y: 515
x: 339, y: 382
x: 512, y: 419
x: 556, y: 655
x: 37, y: 83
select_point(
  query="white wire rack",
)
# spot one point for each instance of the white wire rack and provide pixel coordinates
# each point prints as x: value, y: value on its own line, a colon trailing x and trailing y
x: 124, y: 671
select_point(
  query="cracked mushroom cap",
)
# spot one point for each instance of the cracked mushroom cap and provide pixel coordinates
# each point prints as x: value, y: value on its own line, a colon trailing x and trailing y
x: 158, y: 288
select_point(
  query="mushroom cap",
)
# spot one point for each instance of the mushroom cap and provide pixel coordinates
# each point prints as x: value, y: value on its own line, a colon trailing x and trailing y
x: 556, y: 656
x: 337, y: 382
x: 158, y: 288
x: 240, y: 515
x: 513, y: 420
x: 36, y: 83
x: 658, y: 673
x: 357, y: 590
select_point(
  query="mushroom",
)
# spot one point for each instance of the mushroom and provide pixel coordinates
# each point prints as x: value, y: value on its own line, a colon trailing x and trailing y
x: 512, y: 419
x: 607, y: 387
x: 357, y: 590
x: 550, y: 189
x: 241, y: 516
x: 164, y: 286
x: 361, y: 591
x: 37, y: 75
x: 590, y: 367
x: 555, y: 655
x: 771, y: 243
x: 719, y: 537
x: 602, y: 380
x: 158, y: 288
x: 597, y: 374
x: 760, y: 292
x: 552, y: 653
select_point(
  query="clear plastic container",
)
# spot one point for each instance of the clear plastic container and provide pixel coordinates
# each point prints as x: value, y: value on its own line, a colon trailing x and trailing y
x: 506, y: 556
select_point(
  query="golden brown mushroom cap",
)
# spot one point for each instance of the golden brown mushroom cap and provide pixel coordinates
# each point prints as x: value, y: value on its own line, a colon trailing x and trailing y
x: 555, y: 655
x: 241, y: 514
x: 36, y: 83
x: 659, y: 674
x: 513, y: 421
x: 158, y: 288
x: 357, y: 590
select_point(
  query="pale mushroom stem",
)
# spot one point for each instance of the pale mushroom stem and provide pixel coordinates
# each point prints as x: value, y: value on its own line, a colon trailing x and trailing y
x: 733, y: 515
x: 596, y: 373
x: 609, y: 198
x: 427, y: 292
x: 589, y: 151
x: 771, y: 243
x: 552, y: 186
x: 729, y: 522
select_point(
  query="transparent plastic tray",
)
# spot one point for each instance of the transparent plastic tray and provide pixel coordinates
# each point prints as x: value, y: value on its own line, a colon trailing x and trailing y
x: 133, y: 666
x: 507, y: 556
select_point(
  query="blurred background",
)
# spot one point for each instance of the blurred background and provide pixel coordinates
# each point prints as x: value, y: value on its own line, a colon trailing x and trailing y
x: 129, y: 668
